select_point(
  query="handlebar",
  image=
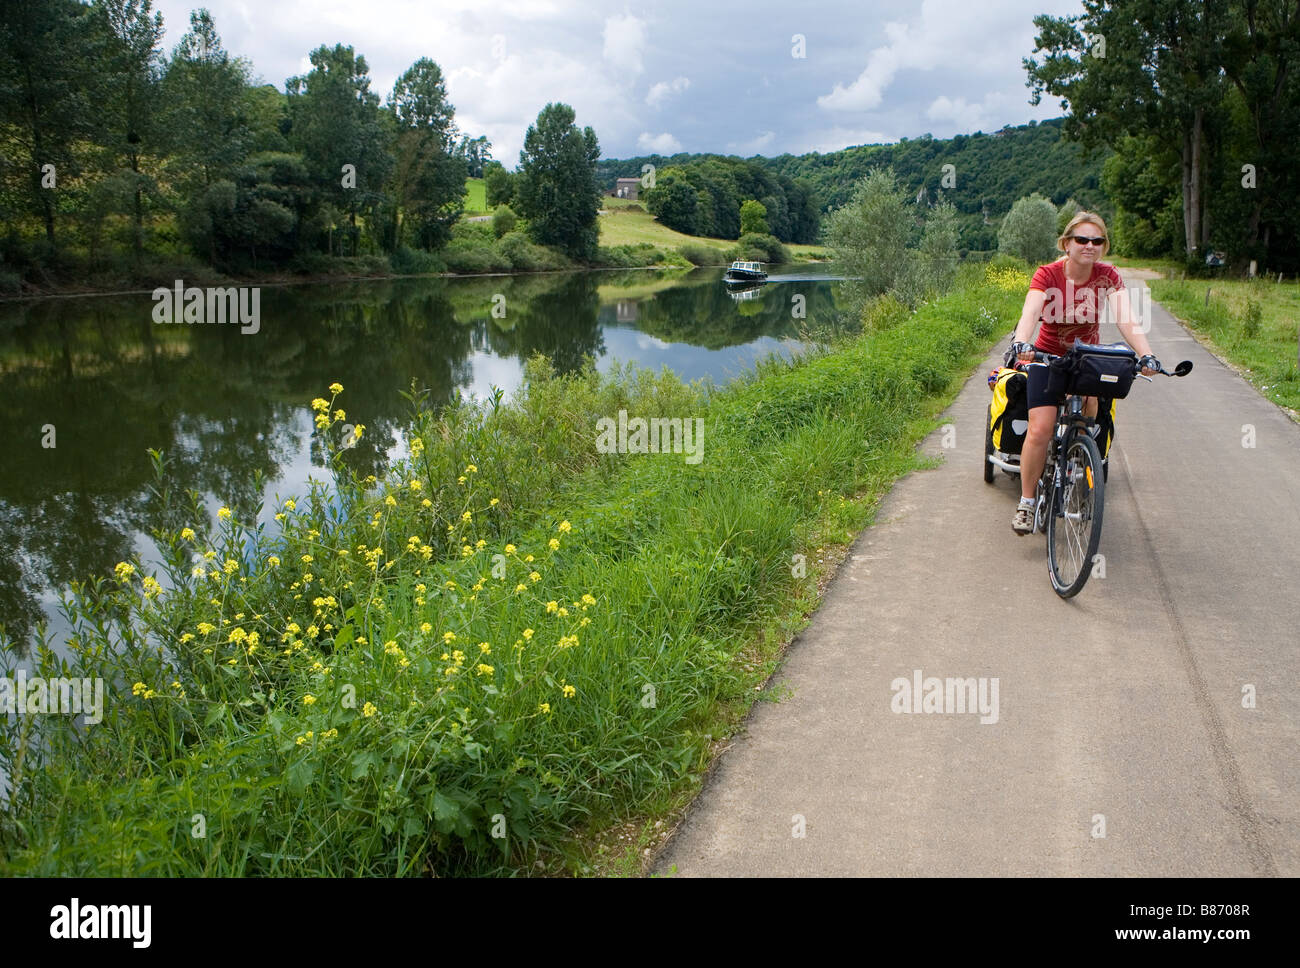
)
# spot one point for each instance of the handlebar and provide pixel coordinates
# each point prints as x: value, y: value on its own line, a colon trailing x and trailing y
x: 1182, y: 369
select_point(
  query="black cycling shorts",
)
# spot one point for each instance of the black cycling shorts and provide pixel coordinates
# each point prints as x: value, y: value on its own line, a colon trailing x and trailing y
x: 1046, y: 386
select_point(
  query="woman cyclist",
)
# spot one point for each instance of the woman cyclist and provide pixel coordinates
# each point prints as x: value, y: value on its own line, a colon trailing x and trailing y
x: 1066, y: 296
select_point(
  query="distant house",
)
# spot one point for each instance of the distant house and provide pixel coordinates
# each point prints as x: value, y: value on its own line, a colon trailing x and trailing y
x: 627, y: 188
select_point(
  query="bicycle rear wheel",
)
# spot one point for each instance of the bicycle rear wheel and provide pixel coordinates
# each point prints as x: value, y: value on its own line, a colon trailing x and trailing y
x: 1074, y: 531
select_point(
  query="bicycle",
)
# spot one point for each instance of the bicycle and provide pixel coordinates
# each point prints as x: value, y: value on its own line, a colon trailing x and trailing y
x: 1072, y: 488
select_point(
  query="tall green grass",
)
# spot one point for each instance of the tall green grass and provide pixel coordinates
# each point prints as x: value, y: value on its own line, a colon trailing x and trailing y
x: 1252, y: 323
x: 509, y: 638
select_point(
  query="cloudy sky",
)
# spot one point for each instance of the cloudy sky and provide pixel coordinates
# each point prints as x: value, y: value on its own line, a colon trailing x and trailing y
x: 674, y: 75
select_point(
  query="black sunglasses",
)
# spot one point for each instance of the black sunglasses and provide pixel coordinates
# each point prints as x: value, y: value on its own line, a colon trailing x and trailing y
x: 1084, y: 240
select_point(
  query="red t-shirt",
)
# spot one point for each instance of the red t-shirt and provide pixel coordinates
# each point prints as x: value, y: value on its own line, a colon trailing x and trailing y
x: 1071, y: 310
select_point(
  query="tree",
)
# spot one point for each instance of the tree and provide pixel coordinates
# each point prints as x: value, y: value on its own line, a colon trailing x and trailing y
x: 498, y: 184
x: 1029, y: 230
x: 130, y: 112
x: 206, y: 93
x: 475, y: 152
x: 1160, y: 74
x: 673, y: 201
x: 557, y: 190
x: 869, y: 235
x: 429, y: 181
x: 338, y: 128
x: 938, y: 251
x: 753, y: 218
x: 46, y: 83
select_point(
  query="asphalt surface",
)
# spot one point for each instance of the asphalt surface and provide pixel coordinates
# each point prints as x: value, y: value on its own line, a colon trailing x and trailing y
x: 1149, y: 726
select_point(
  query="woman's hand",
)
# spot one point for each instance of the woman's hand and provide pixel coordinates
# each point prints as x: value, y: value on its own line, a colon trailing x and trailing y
x: 1150, y: 365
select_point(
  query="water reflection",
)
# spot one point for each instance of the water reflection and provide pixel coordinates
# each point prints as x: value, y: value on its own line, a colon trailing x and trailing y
x: 225, y: 407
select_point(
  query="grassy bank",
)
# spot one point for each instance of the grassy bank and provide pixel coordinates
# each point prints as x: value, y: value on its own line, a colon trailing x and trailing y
x: 502, y: 654
x: 1250, y: 323
x: 628, y: 223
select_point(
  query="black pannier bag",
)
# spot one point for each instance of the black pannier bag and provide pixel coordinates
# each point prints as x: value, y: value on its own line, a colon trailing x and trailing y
x: 1098, y: 371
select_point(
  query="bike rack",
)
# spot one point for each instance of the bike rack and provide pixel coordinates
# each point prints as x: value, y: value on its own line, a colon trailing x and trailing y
x: 999, y: 462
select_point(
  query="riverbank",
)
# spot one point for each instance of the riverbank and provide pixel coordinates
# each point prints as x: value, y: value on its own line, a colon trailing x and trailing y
x: 514, y: 648
x: 628, y: 240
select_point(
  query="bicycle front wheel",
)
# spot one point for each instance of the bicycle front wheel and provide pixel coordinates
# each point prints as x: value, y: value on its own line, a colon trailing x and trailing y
x: 1074, y: 528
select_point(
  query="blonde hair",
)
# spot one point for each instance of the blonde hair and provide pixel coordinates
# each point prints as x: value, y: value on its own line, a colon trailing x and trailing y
x: 1079, y: 219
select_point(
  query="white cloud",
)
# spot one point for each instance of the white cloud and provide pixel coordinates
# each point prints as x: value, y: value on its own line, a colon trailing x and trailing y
x: 753, y: 146
x: 624, y: 40
x: 834, y: 139
x: 660, y: 92
x: 660, y: 144
x: 948, y: 33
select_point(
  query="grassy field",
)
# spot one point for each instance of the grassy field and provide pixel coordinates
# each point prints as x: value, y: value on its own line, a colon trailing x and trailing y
x: 517, y: 654
x: 475, y: 197
x: 1250, y: 323
x: 624, y: 224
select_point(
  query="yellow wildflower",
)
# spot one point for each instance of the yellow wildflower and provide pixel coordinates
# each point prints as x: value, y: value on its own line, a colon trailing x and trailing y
x: 484, y: 670
x: 528, y: 634
x: 369, y: 709
x: 565, y: 527
x: 534, y: 576
x: 569, y: 692
x: 554, y: 543
x: 187, y: 534
x: 124, y: 570
x: 336, y: 388
x: 545, y: 707
x: 223, y: 513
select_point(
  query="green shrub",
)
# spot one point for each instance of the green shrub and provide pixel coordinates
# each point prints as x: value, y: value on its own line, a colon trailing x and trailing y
x: 760, y: 248
x: 406, y: 261
x: 636, y: 256
x: 1029, y: 230
x: 504, y: 220
x: 526, y: 255
x: 470, y: 255
x: 702, y: 255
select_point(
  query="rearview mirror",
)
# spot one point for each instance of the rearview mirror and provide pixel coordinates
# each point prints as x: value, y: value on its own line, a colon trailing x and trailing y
x: 1183, y: 368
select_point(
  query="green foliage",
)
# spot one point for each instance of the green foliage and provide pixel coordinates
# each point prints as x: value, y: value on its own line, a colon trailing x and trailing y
x: 703, y: 197
x: 760, y: 248
x: 556, y: 185
x: 503, y: 220
x: 1251, y: 319
x: 407, y: 261
x: 703, y: 255
x: 873, y: 239
x: 525, y: 256
x: 635, y: 256
x: 499, y: 185
x: 1029, y: 230
x: 753, y: 218
x: 428, y: 184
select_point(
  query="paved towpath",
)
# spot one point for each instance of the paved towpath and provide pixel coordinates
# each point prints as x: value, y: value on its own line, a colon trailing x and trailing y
x: 1122, y: 707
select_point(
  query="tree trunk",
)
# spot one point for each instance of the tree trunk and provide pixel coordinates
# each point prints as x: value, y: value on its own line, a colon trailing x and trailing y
x: 1189, y: 233
x: 1197, y: 231
x: 139, y: 209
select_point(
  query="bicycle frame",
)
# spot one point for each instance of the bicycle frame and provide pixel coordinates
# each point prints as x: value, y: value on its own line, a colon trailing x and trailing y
x: 1070, y: 419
